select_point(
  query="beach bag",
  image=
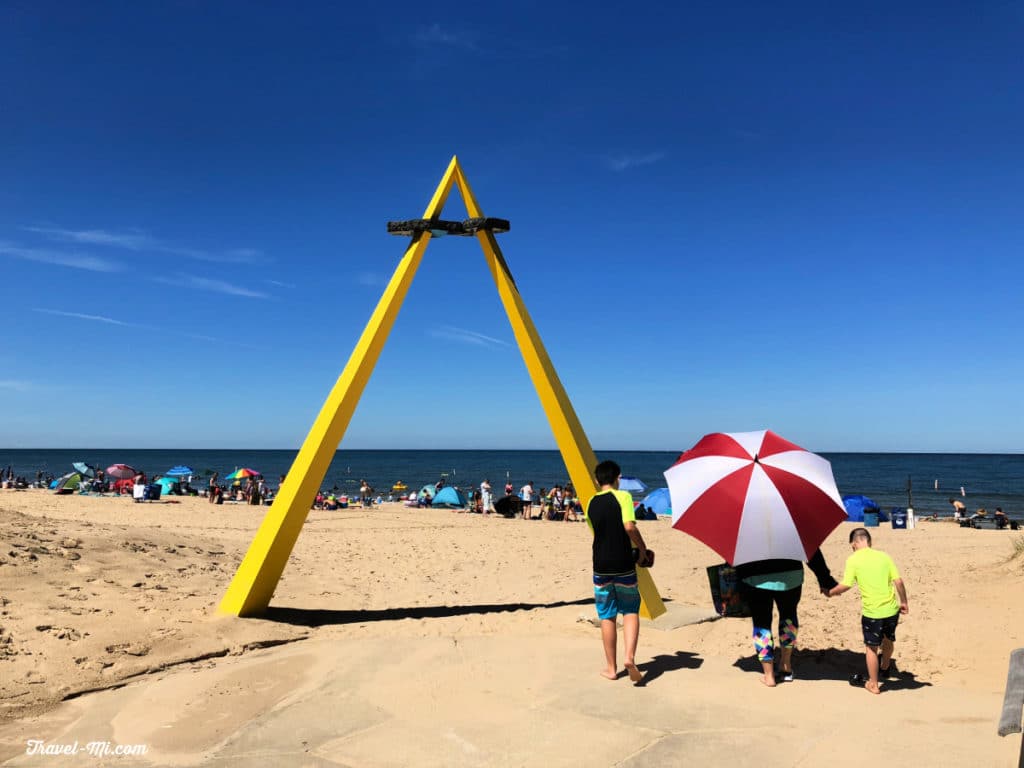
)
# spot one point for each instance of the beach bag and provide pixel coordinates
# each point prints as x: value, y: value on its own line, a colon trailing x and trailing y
x: 725, y: 591
x: 648, y: 563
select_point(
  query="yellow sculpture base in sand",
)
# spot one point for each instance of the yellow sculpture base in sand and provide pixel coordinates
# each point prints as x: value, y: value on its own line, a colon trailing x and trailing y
x: 256, y: 579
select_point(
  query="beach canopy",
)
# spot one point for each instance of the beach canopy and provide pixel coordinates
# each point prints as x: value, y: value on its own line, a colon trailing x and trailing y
x: 68, y: 483
x: 449, y: 496
x: 169, y: 485
x: 658, y: 501
x: 179, y: 471
x: 856, y: 504
x: 429, y: 490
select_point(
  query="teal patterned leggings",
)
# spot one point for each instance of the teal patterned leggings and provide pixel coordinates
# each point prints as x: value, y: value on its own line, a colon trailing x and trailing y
x: 761, y: 602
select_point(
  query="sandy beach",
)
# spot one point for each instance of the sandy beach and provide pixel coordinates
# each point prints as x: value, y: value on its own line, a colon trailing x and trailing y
x: 428, y: 637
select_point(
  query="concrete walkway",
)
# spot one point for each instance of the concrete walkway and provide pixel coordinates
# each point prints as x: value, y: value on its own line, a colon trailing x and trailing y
x: 504, y: 701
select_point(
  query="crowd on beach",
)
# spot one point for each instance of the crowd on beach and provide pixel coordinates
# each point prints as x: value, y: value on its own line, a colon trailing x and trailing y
x: 20, y: 482
x: 975, y: 519
x: 559, y: 502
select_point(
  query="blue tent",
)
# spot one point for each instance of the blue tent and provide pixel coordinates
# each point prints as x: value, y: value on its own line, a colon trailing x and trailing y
x: 632, y: 484
x: 169, y: 486
x: 659, y: 501
x: 856, y: 504
x: 449, y: 496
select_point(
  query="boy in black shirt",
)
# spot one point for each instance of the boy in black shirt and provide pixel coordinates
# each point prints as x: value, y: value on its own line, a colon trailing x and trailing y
x: 610, y: 516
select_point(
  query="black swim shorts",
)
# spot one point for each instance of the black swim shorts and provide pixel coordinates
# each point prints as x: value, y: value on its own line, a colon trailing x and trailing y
x: 876, y: 629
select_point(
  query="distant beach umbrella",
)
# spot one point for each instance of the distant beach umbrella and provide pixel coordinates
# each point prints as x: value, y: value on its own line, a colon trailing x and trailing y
x: 754, y: 496
x: 632, y: 484
x: 121, y: 471
x: 180, y: 471
x: 242, y: 473
x: 86, y: 469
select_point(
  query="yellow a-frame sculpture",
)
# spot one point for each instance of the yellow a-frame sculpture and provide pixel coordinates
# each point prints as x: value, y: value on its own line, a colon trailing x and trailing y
x: 256, y: 579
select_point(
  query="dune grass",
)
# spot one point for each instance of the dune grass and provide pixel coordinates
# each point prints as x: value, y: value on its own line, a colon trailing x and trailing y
x: 1018, y: 548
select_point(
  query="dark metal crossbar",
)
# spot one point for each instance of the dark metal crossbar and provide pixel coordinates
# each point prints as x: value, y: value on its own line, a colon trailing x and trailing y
x: 438, y: 227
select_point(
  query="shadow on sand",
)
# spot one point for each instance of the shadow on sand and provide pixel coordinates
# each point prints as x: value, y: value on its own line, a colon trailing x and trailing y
x: 835, y: 664
x: 319, y: 617
x: 664, y: 662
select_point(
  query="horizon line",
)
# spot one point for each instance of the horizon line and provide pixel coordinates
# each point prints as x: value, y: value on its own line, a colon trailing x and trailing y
x: 551, y: 450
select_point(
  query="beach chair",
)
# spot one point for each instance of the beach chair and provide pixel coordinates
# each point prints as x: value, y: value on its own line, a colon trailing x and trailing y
x: 1013, y: 701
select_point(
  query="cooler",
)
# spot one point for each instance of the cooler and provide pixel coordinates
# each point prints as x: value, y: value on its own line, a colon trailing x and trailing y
x: 898, y: 517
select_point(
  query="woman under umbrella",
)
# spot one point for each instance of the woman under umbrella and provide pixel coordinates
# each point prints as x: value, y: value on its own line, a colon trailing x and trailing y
x: 779, y: 582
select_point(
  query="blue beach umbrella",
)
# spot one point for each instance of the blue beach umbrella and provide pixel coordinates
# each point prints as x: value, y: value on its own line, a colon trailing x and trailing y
x: 86, y: 469
x: 632, y: 484
x: 179, y: 471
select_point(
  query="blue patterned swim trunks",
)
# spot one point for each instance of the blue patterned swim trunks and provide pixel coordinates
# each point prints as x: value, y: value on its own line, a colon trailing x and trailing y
x: 616, y: 594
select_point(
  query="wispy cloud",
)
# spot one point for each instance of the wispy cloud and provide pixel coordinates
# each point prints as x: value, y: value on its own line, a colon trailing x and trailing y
x: 124, y: 323
x: 464, y: 336
x: 81, y: 316
x: 74, y: 260
x: 625, y: 162
x: 210, y: 284
x: 436, y: 35
x: 279, y: 284
x: 138, y: 241
x: 371, y: 278
x: 15, y: 386
x: 222, y: 286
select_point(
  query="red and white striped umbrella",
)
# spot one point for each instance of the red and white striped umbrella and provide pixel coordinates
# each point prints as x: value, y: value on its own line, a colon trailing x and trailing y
x: 120, y: 471
x: 754, y: 496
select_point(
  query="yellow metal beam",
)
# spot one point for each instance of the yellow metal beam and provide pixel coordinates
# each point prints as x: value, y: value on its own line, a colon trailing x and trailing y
x: 260, y: 571
x: 572, y: 441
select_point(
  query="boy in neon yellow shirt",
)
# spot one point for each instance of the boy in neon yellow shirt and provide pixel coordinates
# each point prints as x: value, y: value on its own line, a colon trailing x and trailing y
x: 610, y: 516
x: 875, y: 574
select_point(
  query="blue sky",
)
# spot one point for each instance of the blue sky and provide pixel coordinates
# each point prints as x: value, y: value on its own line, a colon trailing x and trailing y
x: 725, y: 217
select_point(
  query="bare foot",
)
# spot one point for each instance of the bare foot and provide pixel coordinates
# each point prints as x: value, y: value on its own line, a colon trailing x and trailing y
x: 872, y: 687
x: 769, y: 680
x: 634, y: 674
x: 612, y: 675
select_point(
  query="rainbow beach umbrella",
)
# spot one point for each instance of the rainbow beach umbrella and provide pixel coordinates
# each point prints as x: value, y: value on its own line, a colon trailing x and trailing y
x: 242, y: 473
